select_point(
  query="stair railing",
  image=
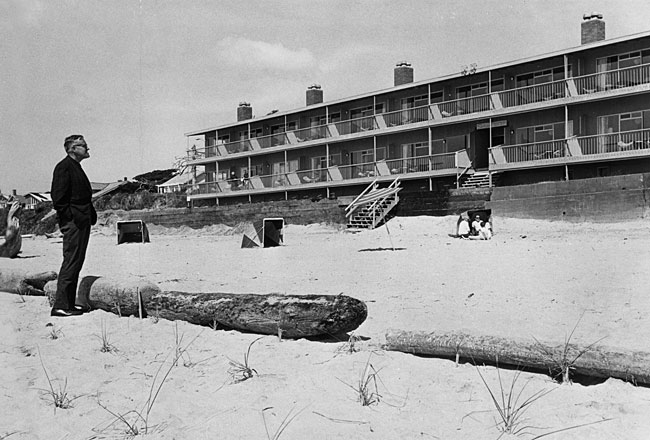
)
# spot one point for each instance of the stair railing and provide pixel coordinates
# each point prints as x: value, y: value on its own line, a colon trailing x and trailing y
x: 353, y: 206
x: 460, y: 176
x: 377, y: 204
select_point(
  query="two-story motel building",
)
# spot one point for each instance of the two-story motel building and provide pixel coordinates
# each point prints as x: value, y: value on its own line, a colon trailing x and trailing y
x: 576, y: 113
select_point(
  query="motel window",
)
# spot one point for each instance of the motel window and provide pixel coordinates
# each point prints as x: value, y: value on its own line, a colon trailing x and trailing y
x: 416, y: 149
x: 366, y: 111
x: 622, y: 61
x: 224, y: 139
x: 479, y: 89
x: 456, y: 143
x: 320, y: 162
x: 541, y: 76
x: 256, y: 132
x: 315, y: 121
x: 437, y: 96
x: 367, y: 156
x: 622, y: 122
x: 438, y: 146
x: 275, y: 129
x: 414, y: 101
x: 542, y: 133
x: 334, y: 117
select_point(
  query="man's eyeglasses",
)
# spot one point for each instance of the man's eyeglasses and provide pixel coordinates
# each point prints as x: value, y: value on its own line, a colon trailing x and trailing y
x: 84, y: 146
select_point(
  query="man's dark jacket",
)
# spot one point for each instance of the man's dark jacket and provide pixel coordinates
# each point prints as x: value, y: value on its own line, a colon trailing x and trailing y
x: 72, y: 194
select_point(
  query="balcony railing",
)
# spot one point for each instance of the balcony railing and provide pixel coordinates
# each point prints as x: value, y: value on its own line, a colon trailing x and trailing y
x: 615, y: 142
x: 534, y: 151
x: 532, y: 94
x: 610, y: 145
x: 539, y: 93
x: 407, y: 116
x: 614, y: 79
x: 464, y: 106
x: 356, y: 125
x: 312, y: 133
x: 322, y: 176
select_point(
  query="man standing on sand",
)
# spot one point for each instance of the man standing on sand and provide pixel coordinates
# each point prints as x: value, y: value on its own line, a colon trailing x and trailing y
x: 72, y: 200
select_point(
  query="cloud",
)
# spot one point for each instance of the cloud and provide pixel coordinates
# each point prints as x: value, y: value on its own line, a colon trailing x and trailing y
x: 242, y: 52
x: 28, y: 12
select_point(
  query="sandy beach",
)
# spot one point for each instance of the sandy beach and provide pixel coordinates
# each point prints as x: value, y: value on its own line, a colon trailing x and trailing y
x: 534, y: 279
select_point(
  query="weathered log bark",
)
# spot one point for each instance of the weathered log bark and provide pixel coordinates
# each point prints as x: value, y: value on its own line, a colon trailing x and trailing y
x: 594, y: 361
x: 115, y: 295
x: 291, y: 316
x: 24, y: 282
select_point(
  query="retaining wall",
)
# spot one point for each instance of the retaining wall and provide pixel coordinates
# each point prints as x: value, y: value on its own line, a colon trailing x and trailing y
x: 293, y: 212
x: 602, y: 199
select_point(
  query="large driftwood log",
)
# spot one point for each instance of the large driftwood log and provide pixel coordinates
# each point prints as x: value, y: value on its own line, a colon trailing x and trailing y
x: 115, y: 295
x: 291, y: 316
x: 24, y: 282
x: 594, y: 361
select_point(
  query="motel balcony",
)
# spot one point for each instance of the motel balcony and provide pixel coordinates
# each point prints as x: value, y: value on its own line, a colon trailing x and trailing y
x: 551, y: 94
x: 603, y: 147
x: 447, y: 164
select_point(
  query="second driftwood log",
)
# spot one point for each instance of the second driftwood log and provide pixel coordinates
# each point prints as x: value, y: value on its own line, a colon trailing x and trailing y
x: 590, y: 360
x: 291, y: 316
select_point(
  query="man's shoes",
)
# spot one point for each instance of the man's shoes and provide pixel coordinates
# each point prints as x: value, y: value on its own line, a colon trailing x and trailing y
x: 83, y: 309
x: 65, y: 313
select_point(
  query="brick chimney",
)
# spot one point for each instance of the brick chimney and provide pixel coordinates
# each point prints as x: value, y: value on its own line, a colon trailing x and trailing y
x: 403, y: 73
x: 244, y: 111
x: 314, y: 94
x: 593, y: 28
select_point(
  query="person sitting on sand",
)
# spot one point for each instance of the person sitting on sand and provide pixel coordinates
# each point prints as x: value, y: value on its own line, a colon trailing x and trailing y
x: 463, y: 228
x: 10, y: 246
x: 476, y: 225
x: 484, y: 231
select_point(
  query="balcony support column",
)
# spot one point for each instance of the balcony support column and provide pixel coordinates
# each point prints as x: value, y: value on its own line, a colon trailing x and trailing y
x: 430, y: 149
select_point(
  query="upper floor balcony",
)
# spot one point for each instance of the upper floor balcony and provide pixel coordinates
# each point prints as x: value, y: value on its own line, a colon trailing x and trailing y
x: 602, y: 147
x: 574, y: 89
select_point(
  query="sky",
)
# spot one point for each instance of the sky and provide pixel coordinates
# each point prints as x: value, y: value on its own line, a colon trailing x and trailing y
x: 133, y: 76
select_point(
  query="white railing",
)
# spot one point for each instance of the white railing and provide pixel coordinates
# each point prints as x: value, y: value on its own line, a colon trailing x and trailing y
x: 359, y: 171
x: 615, y: 142
x: 612, y: 144
x: 407, y: 116
x: 422, y: 163
x: 465, y: 106
x: 534, y: 151
x: 531, y: 94
x: 358, y: 125
x: 613, y: 79
x: 311, y: 133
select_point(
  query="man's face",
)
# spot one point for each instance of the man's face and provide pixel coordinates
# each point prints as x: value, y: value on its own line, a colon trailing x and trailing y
x: 80, y: 149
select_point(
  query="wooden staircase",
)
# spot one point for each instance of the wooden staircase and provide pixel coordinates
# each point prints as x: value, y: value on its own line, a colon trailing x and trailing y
x: 480, y: 179
x: 370, y: 208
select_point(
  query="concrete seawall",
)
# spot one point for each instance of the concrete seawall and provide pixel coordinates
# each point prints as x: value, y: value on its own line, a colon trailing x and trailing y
x: 602, y: 199
x: 293, y: 212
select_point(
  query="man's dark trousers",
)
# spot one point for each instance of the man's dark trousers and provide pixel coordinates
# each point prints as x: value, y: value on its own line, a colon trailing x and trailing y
x: 75, y: 243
